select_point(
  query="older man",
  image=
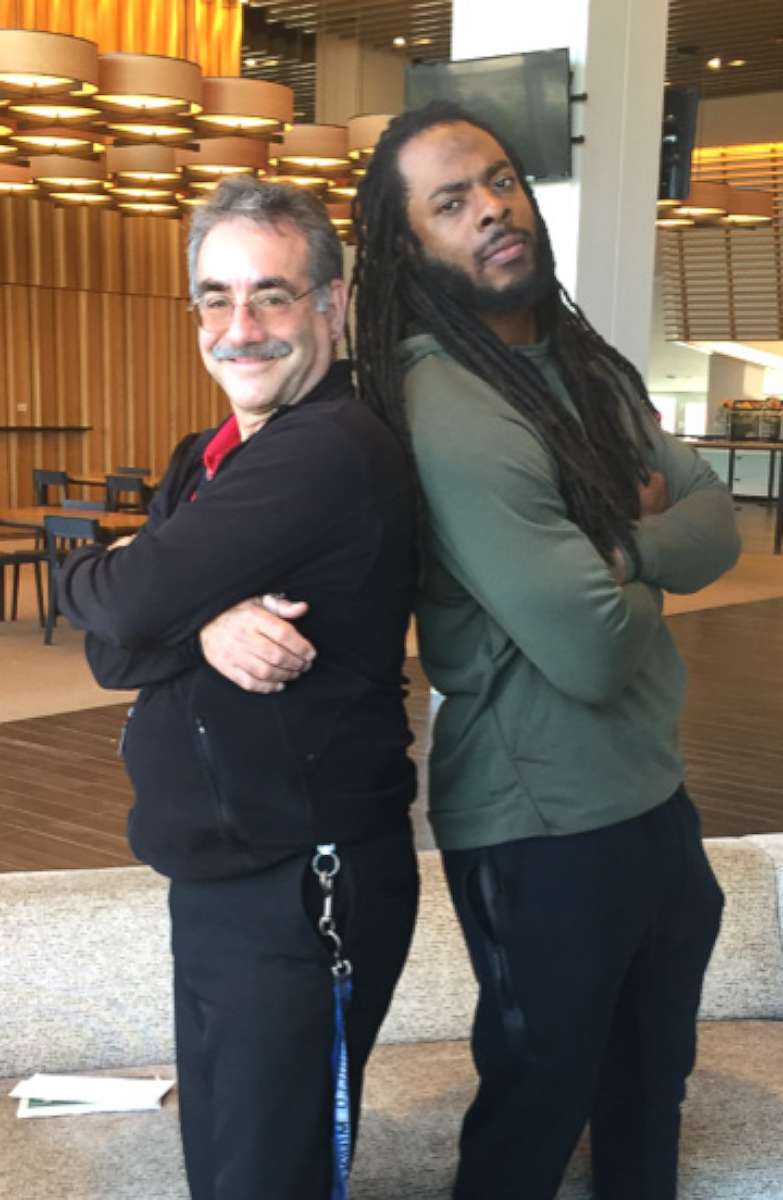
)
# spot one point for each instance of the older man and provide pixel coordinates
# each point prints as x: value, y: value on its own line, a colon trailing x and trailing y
x: 280, y: 814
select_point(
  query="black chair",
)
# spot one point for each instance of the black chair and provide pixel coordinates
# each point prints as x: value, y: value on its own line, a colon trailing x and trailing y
x: 142, y: 471
x: 43, y: 480
x: 62, y: 534
x: 126, y: 485
x: 15, y: 560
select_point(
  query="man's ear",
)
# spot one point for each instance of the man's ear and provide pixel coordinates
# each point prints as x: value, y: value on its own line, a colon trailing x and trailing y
x: 338, y: 307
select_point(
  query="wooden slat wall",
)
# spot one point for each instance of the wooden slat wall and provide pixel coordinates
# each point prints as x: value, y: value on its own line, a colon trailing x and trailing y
x: 94, y: 331
x: 727, y: 284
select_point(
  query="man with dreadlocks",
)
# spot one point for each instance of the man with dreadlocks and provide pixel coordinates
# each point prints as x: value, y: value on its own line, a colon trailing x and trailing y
x: 554, y: 513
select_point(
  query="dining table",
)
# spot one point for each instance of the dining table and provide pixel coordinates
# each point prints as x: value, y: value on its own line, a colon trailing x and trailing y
x: 32, y: 517
x: 743, y: 446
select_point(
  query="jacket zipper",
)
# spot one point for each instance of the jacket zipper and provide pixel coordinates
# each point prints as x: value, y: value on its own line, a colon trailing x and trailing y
x: 124, y: 731
x: 205, y: 750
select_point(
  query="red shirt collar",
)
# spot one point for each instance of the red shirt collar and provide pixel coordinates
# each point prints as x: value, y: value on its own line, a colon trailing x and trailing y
x: 221, y: 444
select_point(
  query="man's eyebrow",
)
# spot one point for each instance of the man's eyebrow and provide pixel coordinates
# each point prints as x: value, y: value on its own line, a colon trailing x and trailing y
x: 459, y: 186
x: 501, y: 165
x: 260, y: 285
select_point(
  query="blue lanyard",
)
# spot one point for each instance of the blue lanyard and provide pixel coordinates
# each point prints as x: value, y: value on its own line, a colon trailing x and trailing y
x: 341, y: 1135
x: 326, y: 865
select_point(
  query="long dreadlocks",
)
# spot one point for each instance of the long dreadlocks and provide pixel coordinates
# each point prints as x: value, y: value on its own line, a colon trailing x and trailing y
x: 598, y: 455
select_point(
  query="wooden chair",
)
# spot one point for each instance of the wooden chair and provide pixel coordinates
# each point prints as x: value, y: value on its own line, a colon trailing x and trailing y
x: 62, y: 534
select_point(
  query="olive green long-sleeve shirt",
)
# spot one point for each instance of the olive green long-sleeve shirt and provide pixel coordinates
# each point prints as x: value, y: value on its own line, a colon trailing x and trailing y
x: 562, y: 689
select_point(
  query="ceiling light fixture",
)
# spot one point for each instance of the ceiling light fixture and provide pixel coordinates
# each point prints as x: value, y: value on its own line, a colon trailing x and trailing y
x: 363, y: 134
x: 313, y: 150
x: 134, y: 209
x: 714, y: 64
x: 35, y: 64
x: 59, y: 173
x: 245, y: 108
x: 149, y: 99
x: 58, y: 140
x: 16, y: 180
x: 216, y: 158
x: 148, y: 86
x: 705, y: 200
x: 749, y: 207
x: 81, y: 199
x: 134, y: 165
x: 399, y: 42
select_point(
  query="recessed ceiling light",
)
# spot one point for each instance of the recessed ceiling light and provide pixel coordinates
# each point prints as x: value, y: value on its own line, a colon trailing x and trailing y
x: 715, y: 64
x: 271, y: 62
x: 423, y: 42
x: 738, y: 62
x: 251, y: 62
x: 399, y: 41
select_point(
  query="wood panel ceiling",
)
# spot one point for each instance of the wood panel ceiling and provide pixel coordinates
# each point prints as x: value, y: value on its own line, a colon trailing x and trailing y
x: 425, y: 24
x: 746, y: 31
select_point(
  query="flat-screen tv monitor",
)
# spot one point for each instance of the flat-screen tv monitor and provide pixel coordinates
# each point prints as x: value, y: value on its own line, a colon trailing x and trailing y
x: 524, y: 96
x: 680, y: 113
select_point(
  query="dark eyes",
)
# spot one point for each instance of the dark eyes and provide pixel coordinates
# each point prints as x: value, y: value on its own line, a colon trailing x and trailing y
x: 501, y: 183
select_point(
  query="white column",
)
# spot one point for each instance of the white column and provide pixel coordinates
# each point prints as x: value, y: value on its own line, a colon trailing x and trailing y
x: 602, y: 221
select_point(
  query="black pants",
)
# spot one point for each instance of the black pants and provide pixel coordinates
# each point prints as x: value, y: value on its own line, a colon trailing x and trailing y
x: 590, y: 952
x: 255, y: 1019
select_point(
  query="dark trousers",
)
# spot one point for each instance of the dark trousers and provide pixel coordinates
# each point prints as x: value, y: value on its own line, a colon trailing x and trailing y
x: 255, y: 1016
x: 590, y: 952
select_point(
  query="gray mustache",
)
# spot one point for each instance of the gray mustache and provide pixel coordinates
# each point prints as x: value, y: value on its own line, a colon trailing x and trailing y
x: 274, y: 348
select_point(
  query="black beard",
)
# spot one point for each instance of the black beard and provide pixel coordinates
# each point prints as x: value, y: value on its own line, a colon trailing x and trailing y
x: 524, y: 294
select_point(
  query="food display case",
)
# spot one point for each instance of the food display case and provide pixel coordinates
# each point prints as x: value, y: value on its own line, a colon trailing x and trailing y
x: 754, y: 420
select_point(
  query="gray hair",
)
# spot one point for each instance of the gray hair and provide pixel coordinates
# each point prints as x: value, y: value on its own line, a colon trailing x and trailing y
x: 266, y: 203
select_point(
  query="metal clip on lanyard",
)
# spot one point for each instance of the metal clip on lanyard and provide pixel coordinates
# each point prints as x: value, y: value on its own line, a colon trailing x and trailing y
x: 326, y: 865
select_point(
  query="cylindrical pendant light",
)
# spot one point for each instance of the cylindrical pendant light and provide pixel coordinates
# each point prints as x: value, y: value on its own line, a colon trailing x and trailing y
x: 38, y: 64
x: 313, y: 149
x: 749, y: 207
x: 244, y: 107
x: 704, y: 200
x: 151, y: 209
x: 216, y: 158
x: 148, y: 86
x: 140, y: 166
x: 363, y: 134
x: 60, y: 173
x: 16, y: 180
x: 58, y: 140
x: 149, y: 99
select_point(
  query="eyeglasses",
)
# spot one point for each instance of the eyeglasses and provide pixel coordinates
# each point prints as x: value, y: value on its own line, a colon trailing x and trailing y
x: 214, y: 311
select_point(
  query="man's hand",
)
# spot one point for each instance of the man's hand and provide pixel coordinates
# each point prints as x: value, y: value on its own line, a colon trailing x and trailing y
x: 617, y: 567
x: 121, y: 541
x: 254, y: 645
x: 653, y: 495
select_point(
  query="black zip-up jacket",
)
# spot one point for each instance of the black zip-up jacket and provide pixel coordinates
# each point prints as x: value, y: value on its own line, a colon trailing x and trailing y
x: 318, y: 505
